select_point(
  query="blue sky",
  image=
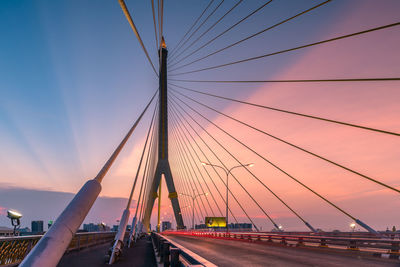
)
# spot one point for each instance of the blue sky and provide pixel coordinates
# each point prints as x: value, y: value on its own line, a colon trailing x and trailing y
x: 73, y: 77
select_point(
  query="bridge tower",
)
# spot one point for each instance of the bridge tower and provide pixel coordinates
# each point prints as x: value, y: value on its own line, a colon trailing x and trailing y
x: 163, y: 167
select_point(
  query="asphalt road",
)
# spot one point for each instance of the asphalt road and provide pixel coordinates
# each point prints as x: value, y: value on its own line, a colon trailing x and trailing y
x: 236, y: 253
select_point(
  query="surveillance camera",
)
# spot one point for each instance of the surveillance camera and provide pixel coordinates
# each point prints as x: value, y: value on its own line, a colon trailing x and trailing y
x: 13, y: 214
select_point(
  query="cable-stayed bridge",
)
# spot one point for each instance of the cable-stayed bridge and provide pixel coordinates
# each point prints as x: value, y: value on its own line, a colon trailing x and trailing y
x: 219, y: 162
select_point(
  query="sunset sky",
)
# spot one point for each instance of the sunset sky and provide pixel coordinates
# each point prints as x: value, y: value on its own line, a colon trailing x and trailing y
x: 73, y: 79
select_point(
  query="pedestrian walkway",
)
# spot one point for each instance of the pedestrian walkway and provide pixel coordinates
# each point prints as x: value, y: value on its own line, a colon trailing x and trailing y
x: 140, y: 254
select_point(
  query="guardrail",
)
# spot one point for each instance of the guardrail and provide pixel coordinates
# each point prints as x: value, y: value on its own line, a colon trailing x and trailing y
x: 382, y: 245
x: 174, y: 255
x: 14, y: 249
x: 384, y: 234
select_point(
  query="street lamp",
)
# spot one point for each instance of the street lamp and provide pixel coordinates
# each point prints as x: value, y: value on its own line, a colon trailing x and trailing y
x: 103, y: 226
x: 227, y: 172
x: 352, y: 226
x: 14, y: 216
x: 194, y: 196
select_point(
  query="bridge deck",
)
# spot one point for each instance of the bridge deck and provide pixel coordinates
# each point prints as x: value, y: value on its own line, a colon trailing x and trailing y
x: 140, y: 254
x: 236, y: 253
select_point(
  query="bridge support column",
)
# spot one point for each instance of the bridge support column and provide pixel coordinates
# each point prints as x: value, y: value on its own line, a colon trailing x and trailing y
x: 53, y: 244
x: 163, y: 167
x: 119, y: 237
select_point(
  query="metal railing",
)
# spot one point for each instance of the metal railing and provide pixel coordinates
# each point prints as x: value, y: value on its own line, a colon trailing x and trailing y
x: 174, y: 255
x: 14, y: 249
x: 383, y: 234
x: 378, y: 245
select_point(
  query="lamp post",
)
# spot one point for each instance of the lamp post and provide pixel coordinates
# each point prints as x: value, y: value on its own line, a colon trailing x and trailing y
x: 227, y: 172
x: 194, y: 196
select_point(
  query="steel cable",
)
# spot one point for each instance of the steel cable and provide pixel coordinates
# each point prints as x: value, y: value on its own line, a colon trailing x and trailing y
x: 129, y: 18
x: 244, y: 189
x: 179, y: 121
x: 195, y: 22
x: 194, y: 32
x: 273, y: 193
x: 291, y: 49
x: 233, y: 26
x: 291, y: 112
x: 245, y: 39
x: 185, y: 147
x: 187, y: 141
x: 292, y: 145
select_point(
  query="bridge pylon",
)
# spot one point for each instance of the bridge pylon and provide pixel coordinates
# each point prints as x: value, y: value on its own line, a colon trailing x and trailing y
x: 163, y: 167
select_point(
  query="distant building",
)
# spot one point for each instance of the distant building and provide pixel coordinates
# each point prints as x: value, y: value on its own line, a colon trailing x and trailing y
x: 232, y: 226
x: 37, y: 227
x: 241, y: 226
x: 91, y: 227
x: 166, y: 226
x: 115, y: 228
x: 25, y: 231
x: 200, y: 226
x: 5, y: 231
x: 97, y: 227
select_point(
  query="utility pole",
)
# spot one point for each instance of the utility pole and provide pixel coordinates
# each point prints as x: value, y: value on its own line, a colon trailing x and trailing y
x: 163, y: 167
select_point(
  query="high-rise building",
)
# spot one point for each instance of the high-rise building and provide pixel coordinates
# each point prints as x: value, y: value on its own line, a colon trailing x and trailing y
x: 166, y: 226
x: 37, y: 227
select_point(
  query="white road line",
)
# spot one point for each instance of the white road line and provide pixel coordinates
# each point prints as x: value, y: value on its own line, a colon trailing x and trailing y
x: 200, y: 259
